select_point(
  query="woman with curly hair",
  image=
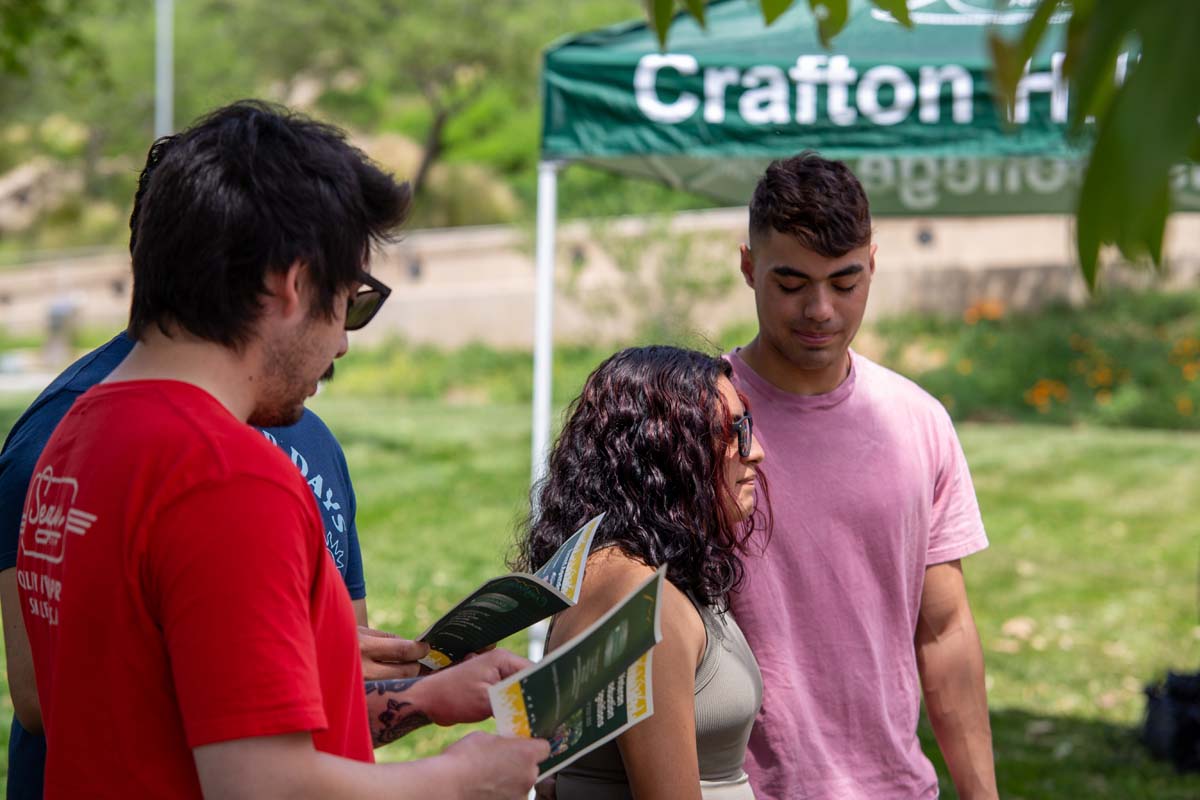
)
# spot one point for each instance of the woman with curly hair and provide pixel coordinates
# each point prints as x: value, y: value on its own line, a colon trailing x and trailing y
x: 661, y: 442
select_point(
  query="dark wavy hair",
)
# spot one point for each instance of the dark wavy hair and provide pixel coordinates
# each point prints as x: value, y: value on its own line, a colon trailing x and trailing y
x: 645, y: 443
x: 817, y: 201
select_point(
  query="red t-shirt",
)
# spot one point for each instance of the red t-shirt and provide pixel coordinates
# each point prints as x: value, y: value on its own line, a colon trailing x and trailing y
x: 177, y: 592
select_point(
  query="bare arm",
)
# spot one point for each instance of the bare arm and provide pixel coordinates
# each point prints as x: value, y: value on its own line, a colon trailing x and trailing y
x: 360, y: 612
x: 660, y: 753
x: 478, y: 767
x: 451, y: 696
x: 21, y: 684
x: 950, y: 660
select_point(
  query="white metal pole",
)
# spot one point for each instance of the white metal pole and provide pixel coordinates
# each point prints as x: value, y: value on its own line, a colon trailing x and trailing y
x: 543, y: 349
x: 164, y: 58
x: 543, y: 326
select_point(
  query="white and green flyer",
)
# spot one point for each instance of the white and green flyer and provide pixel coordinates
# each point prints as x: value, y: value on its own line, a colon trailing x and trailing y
x: 511, y: 603
x: 593, y: 688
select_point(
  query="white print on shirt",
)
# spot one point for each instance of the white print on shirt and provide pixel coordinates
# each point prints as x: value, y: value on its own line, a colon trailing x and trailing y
x: 317, y: 484
x: 50, y: 514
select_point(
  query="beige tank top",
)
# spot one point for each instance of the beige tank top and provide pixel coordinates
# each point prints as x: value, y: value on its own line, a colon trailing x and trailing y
x: 728, y: 695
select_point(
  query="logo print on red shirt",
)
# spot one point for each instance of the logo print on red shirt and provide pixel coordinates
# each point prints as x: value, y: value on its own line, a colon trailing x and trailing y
x: 50, y: 513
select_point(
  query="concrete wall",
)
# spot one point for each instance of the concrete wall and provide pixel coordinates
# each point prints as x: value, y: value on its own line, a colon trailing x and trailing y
x: 476, y: 284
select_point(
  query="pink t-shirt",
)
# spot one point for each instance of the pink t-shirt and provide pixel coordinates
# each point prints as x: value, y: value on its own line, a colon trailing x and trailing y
x: 869, y: 486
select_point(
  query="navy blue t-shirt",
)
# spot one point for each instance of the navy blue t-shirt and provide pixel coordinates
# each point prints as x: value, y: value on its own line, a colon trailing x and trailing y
x: 309, y: 444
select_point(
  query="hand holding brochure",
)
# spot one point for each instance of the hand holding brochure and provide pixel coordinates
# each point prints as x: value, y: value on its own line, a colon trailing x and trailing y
x: 593, y: 688
x: 511, y: 603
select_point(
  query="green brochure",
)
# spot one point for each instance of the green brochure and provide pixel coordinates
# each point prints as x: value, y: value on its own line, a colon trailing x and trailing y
x: 511, y: 603
x: 593, y: 688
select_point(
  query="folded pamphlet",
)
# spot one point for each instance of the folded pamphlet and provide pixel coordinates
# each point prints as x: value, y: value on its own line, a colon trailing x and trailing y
x: 511, y: 603
x: 593, y: 688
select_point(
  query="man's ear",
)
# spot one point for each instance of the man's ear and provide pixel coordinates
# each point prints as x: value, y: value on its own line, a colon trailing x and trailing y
x: 871, y: 266
x: 747, y: 265
x: 283, y: 290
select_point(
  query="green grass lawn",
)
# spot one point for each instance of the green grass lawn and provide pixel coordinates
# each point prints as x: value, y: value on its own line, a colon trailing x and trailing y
x: 1088, y: 590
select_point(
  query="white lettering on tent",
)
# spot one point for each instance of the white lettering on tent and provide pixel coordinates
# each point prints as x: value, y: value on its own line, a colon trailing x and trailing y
x: 839, y: 78
x: 645, y: 90
x: 1050, y: 83
x: 807, y: 74
x: 918, y: 183
x: 961, y: 175
x: 1047, y: 176
x: 876, y: 173
x: 923, y: 183
x: 716, y: 81
x: 959, y: 13
x: 764, y: 105
x: 867, y: 94
x: 961, y: 90
x: 886, y: 94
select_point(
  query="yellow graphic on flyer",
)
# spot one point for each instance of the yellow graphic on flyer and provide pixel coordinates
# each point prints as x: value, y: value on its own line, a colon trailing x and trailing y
x: 435, y: 659
x: 512, y: 718
x: 571, y: 584
x: 637, y: 688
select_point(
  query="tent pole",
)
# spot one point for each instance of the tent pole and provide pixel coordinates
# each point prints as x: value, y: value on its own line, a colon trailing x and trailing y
x: 543, y: 328
x: 543, y: 350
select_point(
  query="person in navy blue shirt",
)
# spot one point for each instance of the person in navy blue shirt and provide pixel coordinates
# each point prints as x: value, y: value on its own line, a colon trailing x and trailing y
x: 311, y: 447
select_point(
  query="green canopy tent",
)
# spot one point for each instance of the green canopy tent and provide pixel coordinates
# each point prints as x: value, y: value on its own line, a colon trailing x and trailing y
x: 911, y: 110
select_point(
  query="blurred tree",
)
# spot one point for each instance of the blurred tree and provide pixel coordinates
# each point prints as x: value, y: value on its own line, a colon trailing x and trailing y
x: 1144, y: 126
x: 26, y: 23
x: 452, y: 54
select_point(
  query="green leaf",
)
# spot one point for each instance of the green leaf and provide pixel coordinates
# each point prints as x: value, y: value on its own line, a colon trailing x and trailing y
x: 772, y: 9
x: 696, y: 9
x: 1147, y: 129
x: 1007, y: 67
x: 661, y: 12
x: 897, y: 8
x: 1010, y: 58
x: 1095, y: 37
x: 831, y: 16
x: 1087, y: 243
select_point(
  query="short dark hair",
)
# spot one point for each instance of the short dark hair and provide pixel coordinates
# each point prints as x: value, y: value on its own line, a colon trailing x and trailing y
x: 815, y: 200
x: 250, y: 189
x: 645, y: 443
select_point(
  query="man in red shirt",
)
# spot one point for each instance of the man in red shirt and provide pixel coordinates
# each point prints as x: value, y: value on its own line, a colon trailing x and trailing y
x: 172, y: 568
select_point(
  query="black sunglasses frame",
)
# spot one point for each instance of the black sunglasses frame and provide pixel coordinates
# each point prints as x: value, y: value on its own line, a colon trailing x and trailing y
x: 743, y: 426
x: 375, y: 287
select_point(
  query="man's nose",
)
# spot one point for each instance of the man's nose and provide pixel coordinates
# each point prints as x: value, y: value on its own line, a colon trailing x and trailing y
x: 819, y: 305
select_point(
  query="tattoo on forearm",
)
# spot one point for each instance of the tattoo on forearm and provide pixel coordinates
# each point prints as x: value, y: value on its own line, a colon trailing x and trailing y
x: 386, y: 687
x: 399, y: 718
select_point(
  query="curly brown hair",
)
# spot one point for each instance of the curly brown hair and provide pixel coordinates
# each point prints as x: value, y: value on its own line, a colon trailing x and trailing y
x: 816, y: 200
x: 645, y: 443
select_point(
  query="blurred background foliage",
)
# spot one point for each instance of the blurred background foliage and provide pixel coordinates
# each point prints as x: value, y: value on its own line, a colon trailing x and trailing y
x: 445, y: 94
x: 1126, y: 359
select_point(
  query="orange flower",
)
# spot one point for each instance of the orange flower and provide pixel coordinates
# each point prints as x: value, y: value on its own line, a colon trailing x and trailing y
x: 988, y: 308
x: 1101, y: 376
x: 1184, y: 405
x: 1042, y: 393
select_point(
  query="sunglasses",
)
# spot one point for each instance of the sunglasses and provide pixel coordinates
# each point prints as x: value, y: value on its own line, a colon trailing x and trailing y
x: 362, y: 307
x: 744, y: 427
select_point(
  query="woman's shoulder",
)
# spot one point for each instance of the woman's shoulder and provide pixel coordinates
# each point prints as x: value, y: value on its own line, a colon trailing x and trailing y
x: 612, y: 574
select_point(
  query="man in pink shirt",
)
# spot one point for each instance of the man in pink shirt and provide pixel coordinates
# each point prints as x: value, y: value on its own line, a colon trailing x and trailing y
x: 857, y: 606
